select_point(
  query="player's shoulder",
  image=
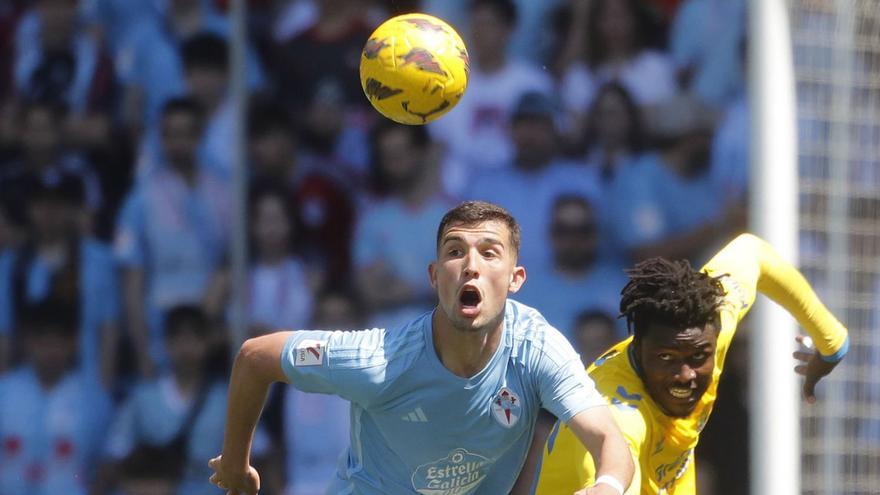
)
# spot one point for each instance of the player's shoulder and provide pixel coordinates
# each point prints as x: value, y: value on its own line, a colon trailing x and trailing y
x: 373, y: 347
x: 530, y: 333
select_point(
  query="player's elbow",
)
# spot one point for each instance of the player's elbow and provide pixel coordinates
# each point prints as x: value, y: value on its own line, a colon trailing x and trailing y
x: 260, y: 357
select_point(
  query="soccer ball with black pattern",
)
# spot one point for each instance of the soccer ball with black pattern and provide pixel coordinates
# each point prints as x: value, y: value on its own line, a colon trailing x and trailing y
x: 414, y: 68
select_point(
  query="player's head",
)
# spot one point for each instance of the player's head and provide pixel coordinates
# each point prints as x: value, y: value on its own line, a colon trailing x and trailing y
x: 673, y: 312
x: 477, y: 249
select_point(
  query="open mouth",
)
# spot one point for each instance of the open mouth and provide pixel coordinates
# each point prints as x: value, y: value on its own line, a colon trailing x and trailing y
x: 469, y: 298
x: 681, y: 392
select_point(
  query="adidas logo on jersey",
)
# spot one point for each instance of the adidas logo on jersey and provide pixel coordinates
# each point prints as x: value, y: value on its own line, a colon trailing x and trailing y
x: 417, y: 416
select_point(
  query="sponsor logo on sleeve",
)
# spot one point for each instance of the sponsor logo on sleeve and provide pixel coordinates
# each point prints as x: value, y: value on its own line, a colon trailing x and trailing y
x: 310, y: 353
x: 459, y: 473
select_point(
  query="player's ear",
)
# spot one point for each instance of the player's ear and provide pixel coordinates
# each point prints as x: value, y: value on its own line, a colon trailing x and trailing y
x: 432, y: 275
x: 517, y: 279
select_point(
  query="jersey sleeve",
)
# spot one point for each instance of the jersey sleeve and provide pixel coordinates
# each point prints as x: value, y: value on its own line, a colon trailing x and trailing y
x: 751, y: 264
x: 563, y: 385
x: 351, y: 365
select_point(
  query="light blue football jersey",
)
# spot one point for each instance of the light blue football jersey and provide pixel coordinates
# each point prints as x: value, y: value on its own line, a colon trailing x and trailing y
x: 418, y: 428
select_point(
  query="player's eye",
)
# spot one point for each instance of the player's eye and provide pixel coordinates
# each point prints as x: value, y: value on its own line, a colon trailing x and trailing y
x: 454, y: 252
x: 700, y: 356
x: 664, y: 356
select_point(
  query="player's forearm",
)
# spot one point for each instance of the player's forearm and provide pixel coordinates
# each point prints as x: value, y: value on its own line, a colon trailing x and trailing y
x: 599, y: 433
x: 785, y: 285
x: 256, y: 367
x: 614, y: 459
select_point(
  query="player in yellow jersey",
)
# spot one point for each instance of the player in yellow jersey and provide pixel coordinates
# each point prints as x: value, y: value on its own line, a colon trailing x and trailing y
x: 662, y: 381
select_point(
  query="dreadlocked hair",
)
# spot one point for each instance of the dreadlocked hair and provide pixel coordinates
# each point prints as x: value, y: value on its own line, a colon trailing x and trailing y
x: 671, y: 293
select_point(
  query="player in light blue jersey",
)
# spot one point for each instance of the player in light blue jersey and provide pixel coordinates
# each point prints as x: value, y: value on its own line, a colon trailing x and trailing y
x: 445, y: 404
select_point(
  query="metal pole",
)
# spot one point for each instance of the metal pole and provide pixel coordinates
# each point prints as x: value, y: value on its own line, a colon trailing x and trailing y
x: 238, y: 248
x: 775, y: 415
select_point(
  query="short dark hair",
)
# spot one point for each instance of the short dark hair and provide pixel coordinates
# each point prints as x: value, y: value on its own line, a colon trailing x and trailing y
x: 505, y: 9
x: 48, y: 317
x: 266, y: 117
x: 670, y: 293
x: 205, y: 50
x: 474, y: 212
x: 183, y: 104
x: 185, y: 316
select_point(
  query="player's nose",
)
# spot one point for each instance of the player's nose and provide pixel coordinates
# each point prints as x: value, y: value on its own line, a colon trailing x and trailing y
x: 471, y: 264
x: 685, y: 374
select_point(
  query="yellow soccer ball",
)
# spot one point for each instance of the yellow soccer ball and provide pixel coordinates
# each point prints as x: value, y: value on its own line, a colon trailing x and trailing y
x: 414, y: 68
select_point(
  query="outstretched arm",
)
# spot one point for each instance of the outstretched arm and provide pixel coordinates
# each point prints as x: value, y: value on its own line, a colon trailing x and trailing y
x: 257, y: 366
x: 597, y: 430
x: 752, y: 260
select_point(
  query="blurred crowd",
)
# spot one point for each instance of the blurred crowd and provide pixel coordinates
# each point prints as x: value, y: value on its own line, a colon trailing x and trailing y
x: 613, y: 130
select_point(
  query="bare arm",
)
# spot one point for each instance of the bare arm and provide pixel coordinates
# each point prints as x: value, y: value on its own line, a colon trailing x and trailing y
x: 597, y: 430
x: 529, y: 471
x: 257, y: 366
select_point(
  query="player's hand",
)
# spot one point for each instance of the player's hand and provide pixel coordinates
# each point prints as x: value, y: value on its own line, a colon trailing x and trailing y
x: 235, y: 483
x: 812, y: 366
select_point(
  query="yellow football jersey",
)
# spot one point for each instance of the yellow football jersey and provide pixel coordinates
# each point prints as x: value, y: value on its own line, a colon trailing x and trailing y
x: 663, y: 446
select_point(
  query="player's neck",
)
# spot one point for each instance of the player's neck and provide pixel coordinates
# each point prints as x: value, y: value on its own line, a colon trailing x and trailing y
x: 464, y: 353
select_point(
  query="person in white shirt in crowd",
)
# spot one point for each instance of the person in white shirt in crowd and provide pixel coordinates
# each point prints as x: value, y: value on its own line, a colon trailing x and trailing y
x: 476, y: 134
x: 53, y: 416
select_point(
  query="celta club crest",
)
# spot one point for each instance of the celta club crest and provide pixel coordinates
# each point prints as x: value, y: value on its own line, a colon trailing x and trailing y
x: 376, y: 90
x: 506, y: 407
x: 425, y: 25
x: 373, y: 47
x: 423, y: 60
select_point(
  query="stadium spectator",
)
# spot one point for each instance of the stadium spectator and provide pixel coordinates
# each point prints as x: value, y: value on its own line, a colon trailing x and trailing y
x: 171, y: 235
x: 393, y: 242
x: 705, y: 43
x: 178, y: 413
x: 57, y: 61
x: 42, y: 154
x: 330, y: 140
x: 434, y: 375
x: 280, y: 286
x: 476, y: 134
x: 575, y: 277
x: 316, y: 426
x: 53, y: 416
x: 58, y: 263
x: 683, y: 321
x: 611, y: 131
x: 538, y: 172
x: 324, y: 207
x: 595, y: 331
x: 609, y: 36
x: 328, y: 52
x: 150, y: 59
x: 664, y: 204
